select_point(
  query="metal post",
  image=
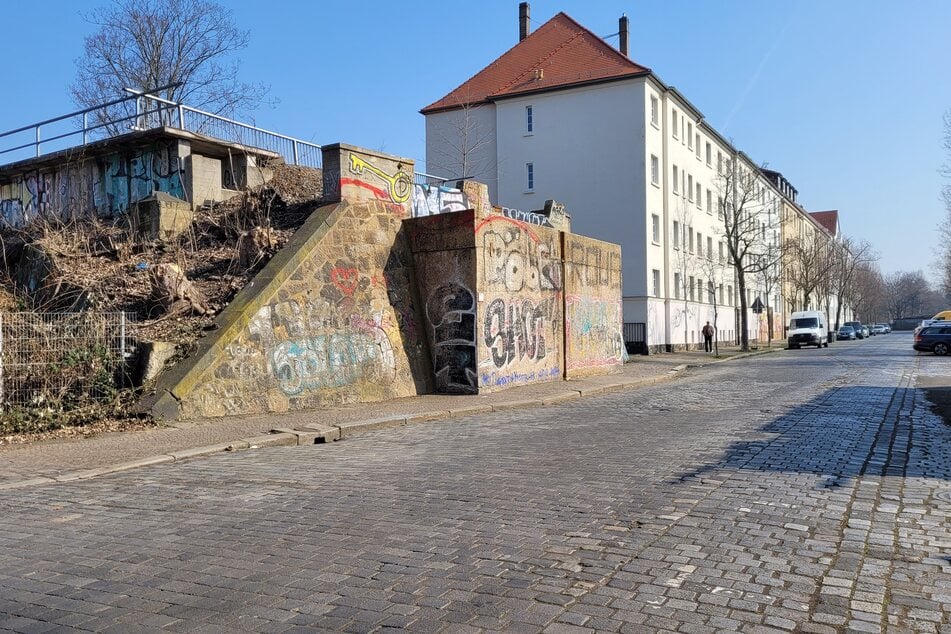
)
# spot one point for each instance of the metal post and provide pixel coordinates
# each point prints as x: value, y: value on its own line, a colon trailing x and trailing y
x: 181, y: 117
x: 1, y: 361
x: 296, y: 162
x: 37, y: 140
x: 85, y: 123
x: 122, y: 349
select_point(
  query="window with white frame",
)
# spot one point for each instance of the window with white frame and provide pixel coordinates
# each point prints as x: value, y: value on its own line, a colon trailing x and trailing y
x: 690, y: 187
x: 676, y: 180
x: 700, y: 290
x: 699, y: 199
x: 655, y: 228
x: 709, y: 248
x: 709, y: 152
x: 720, y: 207
x: 729, y: 294
x: 530, y: 177
x: 711, y: 291
x: 699, y: 244
x: 690, y: 136
x: 721, y: 251
x: 676, y: 234
x: 697, y: 145
x: 691, y: 287
x: 709, y: 202
x: 529, y: 123
x: 674, y: 123
x: 690, y: 233
x: 676, y: 285
x: 655, y: 170
x: 719, y: 162
x: 655, y: 118
x: 721, y: 294
x: 656, y: 275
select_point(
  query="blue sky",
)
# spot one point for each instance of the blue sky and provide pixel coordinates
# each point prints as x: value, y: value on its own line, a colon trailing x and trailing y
x: 845, y: 98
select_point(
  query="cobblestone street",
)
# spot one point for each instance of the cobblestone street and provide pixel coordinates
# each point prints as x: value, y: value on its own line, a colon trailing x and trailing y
x: 805, y: 490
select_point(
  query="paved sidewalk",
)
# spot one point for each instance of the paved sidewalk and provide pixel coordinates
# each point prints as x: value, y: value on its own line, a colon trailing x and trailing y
x: 65, y: 460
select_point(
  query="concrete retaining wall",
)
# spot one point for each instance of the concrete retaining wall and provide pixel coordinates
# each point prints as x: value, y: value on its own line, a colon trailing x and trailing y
x: 330, y: 320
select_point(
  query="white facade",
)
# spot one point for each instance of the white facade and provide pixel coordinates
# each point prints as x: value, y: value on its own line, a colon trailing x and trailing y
x: 631, y: 160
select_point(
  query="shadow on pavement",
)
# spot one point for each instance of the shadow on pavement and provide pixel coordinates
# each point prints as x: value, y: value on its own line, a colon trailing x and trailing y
x: 843, y: 433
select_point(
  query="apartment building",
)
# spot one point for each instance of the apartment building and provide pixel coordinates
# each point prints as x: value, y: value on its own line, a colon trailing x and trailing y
x: 564, y: 115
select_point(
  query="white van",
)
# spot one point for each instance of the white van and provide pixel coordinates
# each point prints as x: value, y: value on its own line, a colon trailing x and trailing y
x: 808, y: 328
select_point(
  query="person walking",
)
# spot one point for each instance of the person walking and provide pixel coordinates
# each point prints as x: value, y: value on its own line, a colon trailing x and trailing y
x: 707, y: 337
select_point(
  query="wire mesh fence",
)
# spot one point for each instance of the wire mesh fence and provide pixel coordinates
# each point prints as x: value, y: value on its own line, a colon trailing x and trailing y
x: 62, y: 360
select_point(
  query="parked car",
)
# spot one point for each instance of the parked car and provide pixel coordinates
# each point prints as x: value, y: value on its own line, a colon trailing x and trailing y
x: 846, y: 332
x: 857, y: 325
x: 878, y: 329
x: 888, y: 328
x: 935, y: 339
x: 866, y: 333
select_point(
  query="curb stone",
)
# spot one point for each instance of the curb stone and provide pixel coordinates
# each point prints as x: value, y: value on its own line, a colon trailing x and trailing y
x: 317, y: 433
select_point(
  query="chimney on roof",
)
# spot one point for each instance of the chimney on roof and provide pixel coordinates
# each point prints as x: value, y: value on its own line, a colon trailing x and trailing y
x: 623, y: 33
x: 523, y: 18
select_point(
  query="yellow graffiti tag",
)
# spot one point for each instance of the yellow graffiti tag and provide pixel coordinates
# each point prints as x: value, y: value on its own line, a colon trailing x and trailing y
x: 399, y: 185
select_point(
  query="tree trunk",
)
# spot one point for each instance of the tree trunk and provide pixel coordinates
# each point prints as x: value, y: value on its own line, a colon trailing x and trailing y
x: 744, y: 317
x: 171, y: 291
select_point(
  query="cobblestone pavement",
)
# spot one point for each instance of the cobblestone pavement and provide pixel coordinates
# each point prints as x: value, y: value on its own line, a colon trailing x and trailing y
x: 800, y: 491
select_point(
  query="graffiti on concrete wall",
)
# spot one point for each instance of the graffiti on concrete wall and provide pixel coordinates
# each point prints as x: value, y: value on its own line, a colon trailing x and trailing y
x: 518, y: 264
x: 598, y: 264
x: 451, y: 312
x: 396, y: 187
x: 515, y: 330
x: 531, y: 217
x: 104, y: 187
x: 593, y: 328
x: 431, y: 200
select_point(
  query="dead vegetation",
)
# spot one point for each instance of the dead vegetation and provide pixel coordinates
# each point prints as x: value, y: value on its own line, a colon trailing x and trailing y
x: 174, y: 290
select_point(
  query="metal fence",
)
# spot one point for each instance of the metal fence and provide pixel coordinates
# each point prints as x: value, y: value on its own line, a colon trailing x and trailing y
x: 635, y: 337
x: 62, y: 360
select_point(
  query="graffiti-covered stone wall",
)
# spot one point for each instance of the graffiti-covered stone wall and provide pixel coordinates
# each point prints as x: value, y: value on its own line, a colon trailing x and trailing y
x: 593, y: 339
x: 330, y: 320
x: 520, y: 308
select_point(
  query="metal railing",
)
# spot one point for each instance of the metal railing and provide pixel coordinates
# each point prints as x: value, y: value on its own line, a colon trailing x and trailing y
x: 421, y: 178
x: 150, y: 111
x: 62, y: 360
x: 635, y: 337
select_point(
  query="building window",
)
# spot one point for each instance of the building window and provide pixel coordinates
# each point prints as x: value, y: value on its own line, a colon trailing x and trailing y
x: 699, y: 199
x: 529, y: 124
x: 698, y: 146
x: 655, y: 170
x: 720, y: 207
x: 699, y: 244
x: 729, y: 294
x: 709, y: 248
x: 721, y: 294
x: 690, y: 136
x: 691, y: 287
x: 675, y: 125
x: 690, y: 245
x: 721, y: 254
x: 656, y: 274
x: 654, y: 108
x: 676, y: 285
x: 530, y: 172
x: 676, y: 180
x: 655, y: 228
x: 690, y: 187
x: 676, y: 234
x: 700, y: 290
x: 711, y: 291
x: 709, y: 153
x: 709, y: 202
x: 719, y: 162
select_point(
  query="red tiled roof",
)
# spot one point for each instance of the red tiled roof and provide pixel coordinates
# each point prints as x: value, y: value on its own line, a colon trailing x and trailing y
x: 564, y: 52
x: 828, y: 219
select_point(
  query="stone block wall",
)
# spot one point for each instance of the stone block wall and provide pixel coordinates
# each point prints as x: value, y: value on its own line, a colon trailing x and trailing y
x: 594, y: 342
x: 330, y: 320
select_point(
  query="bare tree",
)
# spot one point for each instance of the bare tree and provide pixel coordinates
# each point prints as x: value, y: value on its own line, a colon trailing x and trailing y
x: 808, y: 263
x: 744, y: 229
x: 465, y: 139
x: 148, y: 44
x: 686, y: 263
x: 867, y: 295
x: 944, y: 229
x: 847, y: 259
x: 906, y: 293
